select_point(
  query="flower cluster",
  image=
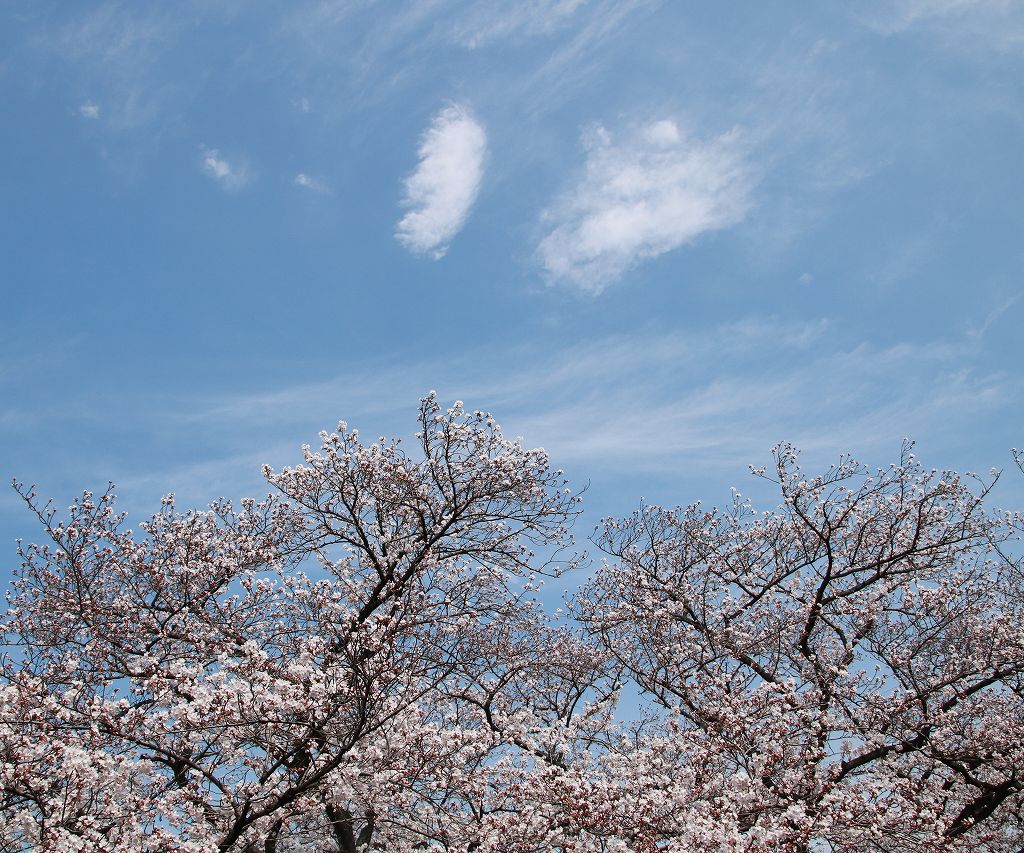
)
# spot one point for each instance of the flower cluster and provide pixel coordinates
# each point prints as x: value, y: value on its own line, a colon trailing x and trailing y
x: 355, y: 663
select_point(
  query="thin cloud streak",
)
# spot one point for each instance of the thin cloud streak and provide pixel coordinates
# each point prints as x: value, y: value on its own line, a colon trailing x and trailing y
x: 994, y: 316
x: 118, y: 50
x: 440, y: 192
x: 978, y: 25
x: 639, y: 199
x: 649, y: 404
x: 620, y: 404
x: 898, y: 15
x: 829, y: 405
x: 483, y: 23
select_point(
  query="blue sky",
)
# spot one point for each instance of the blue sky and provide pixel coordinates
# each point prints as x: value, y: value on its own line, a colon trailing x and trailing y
x: 655, y: 238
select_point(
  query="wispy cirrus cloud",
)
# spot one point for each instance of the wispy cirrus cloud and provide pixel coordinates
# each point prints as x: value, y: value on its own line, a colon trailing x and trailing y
x: 993, y: 316
x: 440, y: 192
x: 994, y: 23
x: 120, y: 51
x: 611, y: 407
x: 897, y: 15
x: 640, y: 198
x: 621, y: 402
x: 483, y: 23
x: 231, y: 176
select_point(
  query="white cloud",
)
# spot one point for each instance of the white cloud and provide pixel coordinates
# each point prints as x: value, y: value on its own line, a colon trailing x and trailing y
x: 310, y: 183
x: 89, y: 110
x: 900, y: 14
x: 641, y: 198
x: 993, y: 316
x: 618, y: 410
x: 440, y: 193
x: 993, y: 23
x: 228, y: 175
x: 485, y: 23
x: 620, y: 405
x: 117, y: 49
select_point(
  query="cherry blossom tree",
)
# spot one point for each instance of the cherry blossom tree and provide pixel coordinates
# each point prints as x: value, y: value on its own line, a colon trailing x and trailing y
x: 351, y: 664
x: 358, y: 663
x: 841, y: 673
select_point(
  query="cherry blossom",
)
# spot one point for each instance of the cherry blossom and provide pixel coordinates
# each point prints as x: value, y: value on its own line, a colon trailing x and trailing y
x: 359, y: 662
x: 344, y: 665
x: 843, y: 672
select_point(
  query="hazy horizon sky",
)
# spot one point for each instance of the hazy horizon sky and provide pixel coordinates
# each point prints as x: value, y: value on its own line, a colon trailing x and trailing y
x: 655, y: 238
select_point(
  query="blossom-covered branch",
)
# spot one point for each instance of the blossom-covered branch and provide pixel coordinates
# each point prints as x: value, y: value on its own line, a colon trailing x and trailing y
x: 358, y: 662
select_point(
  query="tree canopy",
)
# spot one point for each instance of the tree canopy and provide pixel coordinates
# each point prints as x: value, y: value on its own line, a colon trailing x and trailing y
x: 359, y: 662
